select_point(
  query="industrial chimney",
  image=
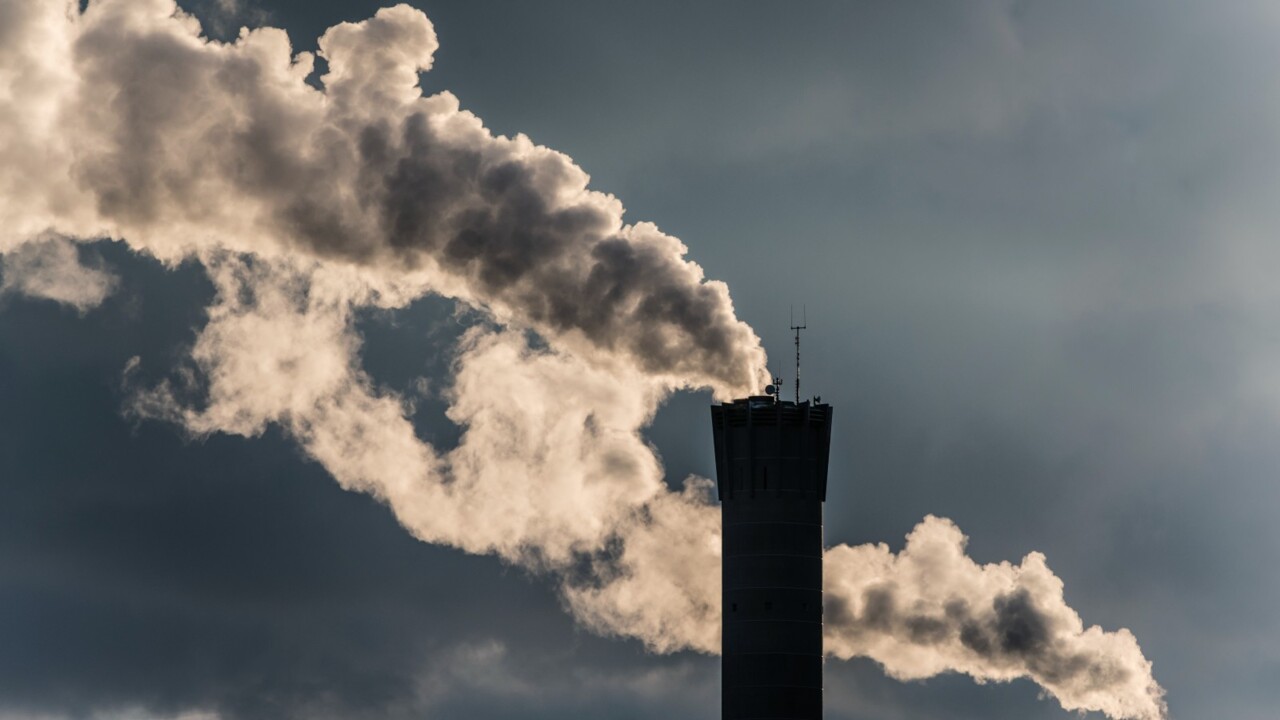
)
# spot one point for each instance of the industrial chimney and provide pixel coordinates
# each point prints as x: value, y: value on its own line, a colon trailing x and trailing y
x: 771, y: 474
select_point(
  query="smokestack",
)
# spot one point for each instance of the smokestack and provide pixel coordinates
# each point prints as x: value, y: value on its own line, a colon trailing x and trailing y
x: 771, y: 470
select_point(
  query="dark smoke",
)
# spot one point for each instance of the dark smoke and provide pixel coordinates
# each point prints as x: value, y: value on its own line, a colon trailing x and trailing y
x: 371, y: 173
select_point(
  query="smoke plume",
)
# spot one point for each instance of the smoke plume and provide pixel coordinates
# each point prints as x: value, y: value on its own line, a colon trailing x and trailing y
x: 51, y: 268
x: 305, y: 205
x: 142, y: 129
x: 931, y: 609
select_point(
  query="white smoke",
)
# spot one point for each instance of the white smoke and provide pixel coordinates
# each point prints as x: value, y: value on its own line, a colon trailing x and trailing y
x: 552, y: 466
x: 51, y: 269
x: 305, y: 205
x: 930, y: 609
x: 148, y: 131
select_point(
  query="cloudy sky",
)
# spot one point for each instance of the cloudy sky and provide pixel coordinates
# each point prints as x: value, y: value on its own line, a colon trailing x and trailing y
x: 1035, y: 242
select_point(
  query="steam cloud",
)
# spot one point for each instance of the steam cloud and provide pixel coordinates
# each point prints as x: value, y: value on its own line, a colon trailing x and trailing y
x: 305, y: 205
x: 930, y: 609
x: 51, y: 268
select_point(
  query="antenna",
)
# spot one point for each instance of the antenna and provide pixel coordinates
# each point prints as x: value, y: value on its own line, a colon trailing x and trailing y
x: 804, y: 324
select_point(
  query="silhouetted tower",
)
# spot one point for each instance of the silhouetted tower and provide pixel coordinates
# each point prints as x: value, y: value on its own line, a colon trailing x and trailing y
x: 771, y: 473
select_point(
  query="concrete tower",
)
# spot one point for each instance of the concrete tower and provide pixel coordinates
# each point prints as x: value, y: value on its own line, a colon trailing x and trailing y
x: 771, y: 473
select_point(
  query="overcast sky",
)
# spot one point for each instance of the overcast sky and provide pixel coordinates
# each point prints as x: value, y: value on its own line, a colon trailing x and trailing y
x: 1036, y: 242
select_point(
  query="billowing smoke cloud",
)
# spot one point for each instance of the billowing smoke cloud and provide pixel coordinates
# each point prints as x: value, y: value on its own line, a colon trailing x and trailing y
x: 305, y: 205
x: 930, y: 609
x: 146, y: 131
x: 552, y: 472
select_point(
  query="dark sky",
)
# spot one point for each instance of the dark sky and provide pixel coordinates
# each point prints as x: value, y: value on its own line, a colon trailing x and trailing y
x: 1036, y: 244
